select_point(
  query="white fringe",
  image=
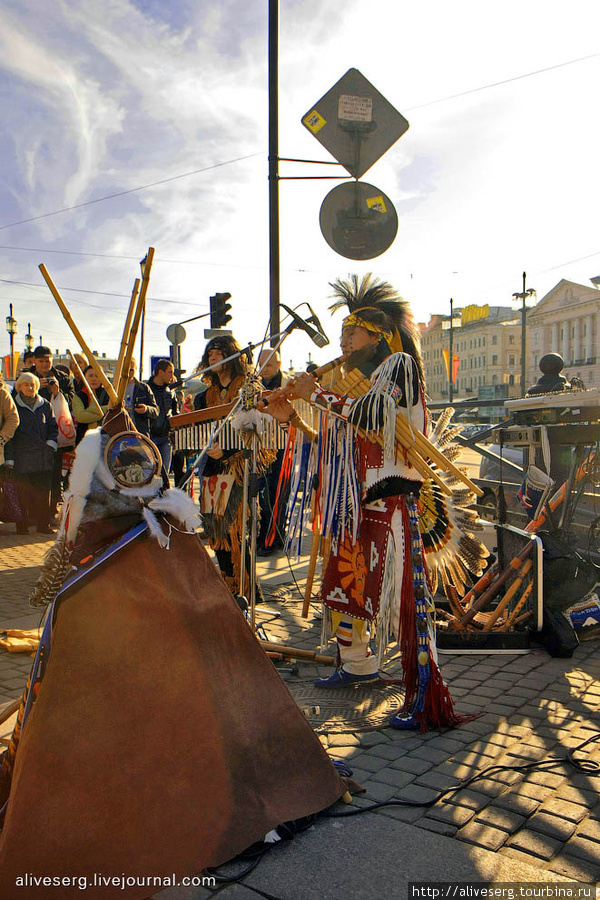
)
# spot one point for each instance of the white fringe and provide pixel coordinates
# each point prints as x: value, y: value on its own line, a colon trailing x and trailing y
x: 155, y: 529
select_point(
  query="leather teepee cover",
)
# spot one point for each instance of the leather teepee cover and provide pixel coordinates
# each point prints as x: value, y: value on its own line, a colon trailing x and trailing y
x: 162, y: 740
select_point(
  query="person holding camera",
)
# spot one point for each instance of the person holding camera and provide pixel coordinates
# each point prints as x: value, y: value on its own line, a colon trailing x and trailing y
x: 160, y: 427
x: 31, y: 453
x: 51, y: 380
x: 139, y: 402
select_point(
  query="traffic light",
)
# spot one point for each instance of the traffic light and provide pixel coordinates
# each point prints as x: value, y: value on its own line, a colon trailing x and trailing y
x: 219, y: 308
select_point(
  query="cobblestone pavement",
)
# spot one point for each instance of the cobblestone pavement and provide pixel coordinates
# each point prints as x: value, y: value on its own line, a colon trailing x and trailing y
x: 529, y: 708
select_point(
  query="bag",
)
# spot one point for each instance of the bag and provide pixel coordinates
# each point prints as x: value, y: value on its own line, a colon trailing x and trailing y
x: 10, y: 506
x: 64, y: 420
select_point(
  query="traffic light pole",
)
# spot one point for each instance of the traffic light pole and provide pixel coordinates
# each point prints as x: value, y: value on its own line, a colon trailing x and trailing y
x: 274, y: 274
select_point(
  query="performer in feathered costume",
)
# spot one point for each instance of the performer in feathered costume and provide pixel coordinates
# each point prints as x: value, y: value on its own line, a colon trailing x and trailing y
x: 377, y: 584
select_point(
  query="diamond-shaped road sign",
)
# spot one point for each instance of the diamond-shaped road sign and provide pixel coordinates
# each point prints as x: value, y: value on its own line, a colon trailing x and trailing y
x: 355, y: 123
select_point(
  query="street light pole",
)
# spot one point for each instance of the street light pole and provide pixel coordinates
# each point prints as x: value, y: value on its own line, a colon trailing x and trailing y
x: 11, y: 327
x: 29, y: 338
x: 451, y: 355
x: 523, y: 295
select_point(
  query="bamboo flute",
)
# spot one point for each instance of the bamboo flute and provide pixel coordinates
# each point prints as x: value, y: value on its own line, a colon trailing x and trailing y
x: 510, y: 593
x: 122, y: 387
x: 126, y: 327
x: 77, y: 334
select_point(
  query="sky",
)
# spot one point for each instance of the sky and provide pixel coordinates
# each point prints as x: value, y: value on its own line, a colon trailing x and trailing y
x: 137, y: 123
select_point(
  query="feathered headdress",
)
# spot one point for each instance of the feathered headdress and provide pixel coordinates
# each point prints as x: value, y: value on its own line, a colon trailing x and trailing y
x: 377, y: 306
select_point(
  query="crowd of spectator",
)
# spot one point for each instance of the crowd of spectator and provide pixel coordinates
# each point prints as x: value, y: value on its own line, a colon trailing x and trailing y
x: 35, y: 449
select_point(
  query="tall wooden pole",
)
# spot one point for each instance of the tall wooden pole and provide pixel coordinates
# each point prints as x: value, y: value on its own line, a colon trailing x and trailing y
x: 126, y: 328
x: 77, y: 334
x: 274, y: 277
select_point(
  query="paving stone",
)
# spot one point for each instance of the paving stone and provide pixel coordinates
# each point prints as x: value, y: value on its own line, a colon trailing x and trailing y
x: 575, y: 795
x: 538, y: 845
x: 489, y: 787
x: 566, y: 810
x: 550, y: 779
x: 430, y: 754
x: 392, y: 777
x: 417, y: 793
x: 500, y: 818
x: 343, y: 740
x: 378, y: 791
x: 437, y: 781
x: 445, y: 743
x: 553, y: 826
x: 525, y: 806
x: 472, y: 799
x: 586, y: 782
x: 576, y: 869
x: 444, y: 828
x: 410, y: 814
x: 482, y: 835
x: 372, y: 739
x: 536, y: 791
x: 473, y: 759
x: 387, y: 751
x: 583, y: 849
x: 455, y: 770
x: 414, y: 765
x: 590, y: 829
x: 501, y: 740
x: 447, y: 812
x: 404, y: 739
x: 369, y: 762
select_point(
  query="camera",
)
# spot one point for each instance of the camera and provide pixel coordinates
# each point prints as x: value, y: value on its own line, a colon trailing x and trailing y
x: 51, y: 380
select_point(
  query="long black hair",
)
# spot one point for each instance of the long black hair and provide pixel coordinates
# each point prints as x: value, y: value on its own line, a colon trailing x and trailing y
x: 228, y: 346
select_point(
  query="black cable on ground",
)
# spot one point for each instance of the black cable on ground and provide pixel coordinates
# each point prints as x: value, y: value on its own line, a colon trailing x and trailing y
x: 588, y: 767
x: 255, y: 853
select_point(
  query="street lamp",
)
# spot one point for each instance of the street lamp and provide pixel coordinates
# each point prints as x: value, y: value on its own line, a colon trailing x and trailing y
x: 523, y: 295
x: 449, y: 325
x: 28, y: 338
x: 11, y: 327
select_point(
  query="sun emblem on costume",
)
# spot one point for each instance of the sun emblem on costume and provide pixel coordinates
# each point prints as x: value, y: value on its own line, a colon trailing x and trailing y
x: 353, y: 571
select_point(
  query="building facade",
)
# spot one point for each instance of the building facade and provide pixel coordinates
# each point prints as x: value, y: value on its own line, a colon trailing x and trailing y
x: 486, y: 341
x: 566, y: 321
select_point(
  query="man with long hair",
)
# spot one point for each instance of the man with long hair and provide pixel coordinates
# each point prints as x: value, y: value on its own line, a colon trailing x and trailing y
x: 376, y: 583
x: 222, y: 484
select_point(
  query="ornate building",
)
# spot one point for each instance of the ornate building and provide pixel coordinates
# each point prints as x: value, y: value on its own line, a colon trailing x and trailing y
x: 487, y: 345
x: 566, y: 321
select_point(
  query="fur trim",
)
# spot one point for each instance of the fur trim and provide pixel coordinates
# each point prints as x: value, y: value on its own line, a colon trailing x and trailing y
x: 179, y: 506
x: 87, y: 457
x: 148, y: 490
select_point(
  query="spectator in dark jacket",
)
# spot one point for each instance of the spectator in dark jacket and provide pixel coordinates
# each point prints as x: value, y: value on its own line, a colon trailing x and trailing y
x: 139, y: 402
x: 31, y: 452
x: 53, y: 381
x: 160, y: 428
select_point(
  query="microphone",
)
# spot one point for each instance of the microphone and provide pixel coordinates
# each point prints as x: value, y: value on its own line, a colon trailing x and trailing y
x: 320, y: 339
x: 314, y: 320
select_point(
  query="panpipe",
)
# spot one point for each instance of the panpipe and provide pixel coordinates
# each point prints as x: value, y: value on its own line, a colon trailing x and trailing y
x: 195, y: 436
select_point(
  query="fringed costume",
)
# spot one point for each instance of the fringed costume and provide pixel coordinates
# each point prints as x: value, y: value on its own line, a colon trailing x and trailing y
x: 375, y: 504
x: 221, y: 493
